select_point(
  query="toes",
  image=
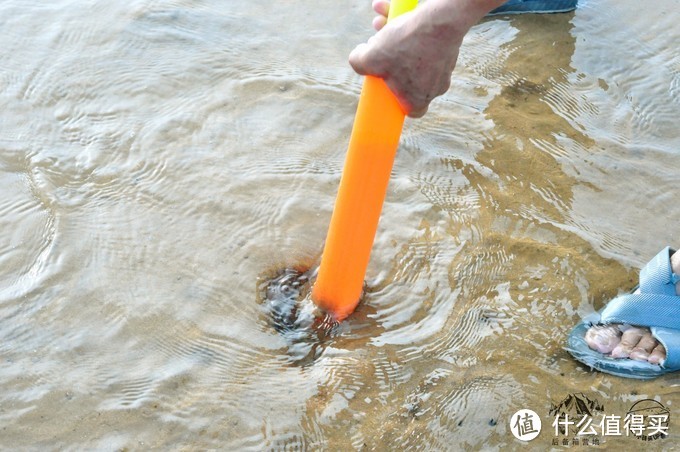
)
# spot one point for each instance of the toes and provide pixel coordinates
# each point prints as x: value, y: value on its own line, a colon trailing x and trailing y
x: 629, y: 340
x: 658, y: 355
x: 644, y: 348
x: 603, y: 338
x: 675, y: 266
x: 625, y: 341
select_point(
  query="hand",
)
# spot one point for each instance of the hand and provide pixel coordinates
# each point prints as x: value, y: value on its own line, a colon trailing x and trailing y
x: 416, y: 52
x: 382, y: 8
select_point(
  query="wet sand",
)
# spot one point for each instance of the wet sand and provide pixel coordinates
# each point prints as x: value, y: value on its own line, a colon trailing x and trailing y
x: 160, y: 159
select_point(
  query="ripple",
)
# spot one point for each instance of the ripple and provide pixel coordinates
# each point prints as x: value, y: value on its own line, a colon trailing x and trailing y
x: 460, y: 417
x: 26, y: 256
x: 481, y: 266
x: 456, y: 197
x: 570, y: 100
x: 492, y: 41
x: 162, y: 159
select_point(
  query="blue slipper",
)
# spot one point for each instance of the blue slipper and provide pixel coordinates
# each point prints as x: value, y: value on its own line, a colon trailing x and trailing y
x: 534, y: 6
x: 657, y: 307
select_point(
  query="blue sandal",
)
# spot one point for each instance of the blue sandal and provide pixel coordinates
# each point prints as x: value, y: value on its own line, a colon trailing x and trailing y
x: 534, y: 6
x: 657, y: 307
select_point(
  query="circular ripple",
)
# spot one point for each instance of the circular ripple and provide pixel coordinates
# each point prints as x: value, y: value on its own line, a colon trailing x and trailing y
x: 287, y: 303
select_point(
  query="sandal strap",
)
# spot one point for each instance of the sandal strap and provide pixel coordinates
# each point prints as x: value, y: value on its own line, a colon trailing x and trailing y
x: 644, y: 309
x: 657, y: 277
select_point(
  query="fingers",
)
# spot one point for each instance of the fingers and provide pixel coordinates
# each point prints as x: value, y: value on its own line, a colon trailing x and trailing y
x: 409, y: 105
x: 379, y: 22
x: 418, y: 107
x: 416, y: 65
x: 359, y: 60
x: 415, y: 107
x: 381, y: 7
x: 419, y: 113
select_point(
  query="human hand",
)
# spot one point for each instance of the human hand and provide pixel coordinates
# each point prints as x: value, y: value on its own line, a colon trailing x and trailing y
x: 416, y: 52
x: 382, y: 8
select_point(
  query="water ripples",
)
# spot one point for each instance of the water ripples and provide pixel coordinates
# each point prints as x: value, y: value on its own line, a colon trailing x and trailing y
x: 161, y: 159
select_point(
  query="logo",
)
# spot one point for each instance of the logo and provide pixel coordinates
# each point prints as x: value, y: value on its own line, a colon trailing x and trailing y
x: 577, y: 406
x: 648, y: 420
x: 525, y: 425
x: 575, y: 420
x: 581, y: 421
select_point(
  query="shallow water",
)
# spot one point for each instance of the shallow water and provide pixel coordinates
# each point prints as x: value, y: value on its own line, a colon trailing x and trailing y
x: 159, y: 160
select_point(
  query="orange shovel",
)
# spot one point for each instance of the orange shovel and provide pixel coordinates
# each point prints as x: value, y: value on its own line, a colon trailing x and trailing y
x: 363, y: 185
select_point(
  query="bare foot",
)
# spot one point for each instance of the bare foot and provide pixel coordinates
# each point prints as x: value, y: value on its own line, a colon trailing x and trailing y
x: 626, y: 341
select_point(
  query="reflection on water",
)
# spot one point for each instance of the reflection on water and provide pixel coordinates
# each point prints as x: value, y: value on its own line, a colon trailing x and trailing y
x: 160, y: 160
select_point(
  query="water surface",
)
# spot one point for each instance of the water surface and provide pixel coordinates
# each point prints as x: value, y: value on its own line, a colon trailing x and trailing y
x: 159, y: 160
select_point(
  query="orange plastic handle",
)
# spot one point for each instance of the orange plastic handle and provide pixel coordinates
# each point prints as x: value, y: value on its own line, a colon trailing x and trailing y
x: 363, y: 185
